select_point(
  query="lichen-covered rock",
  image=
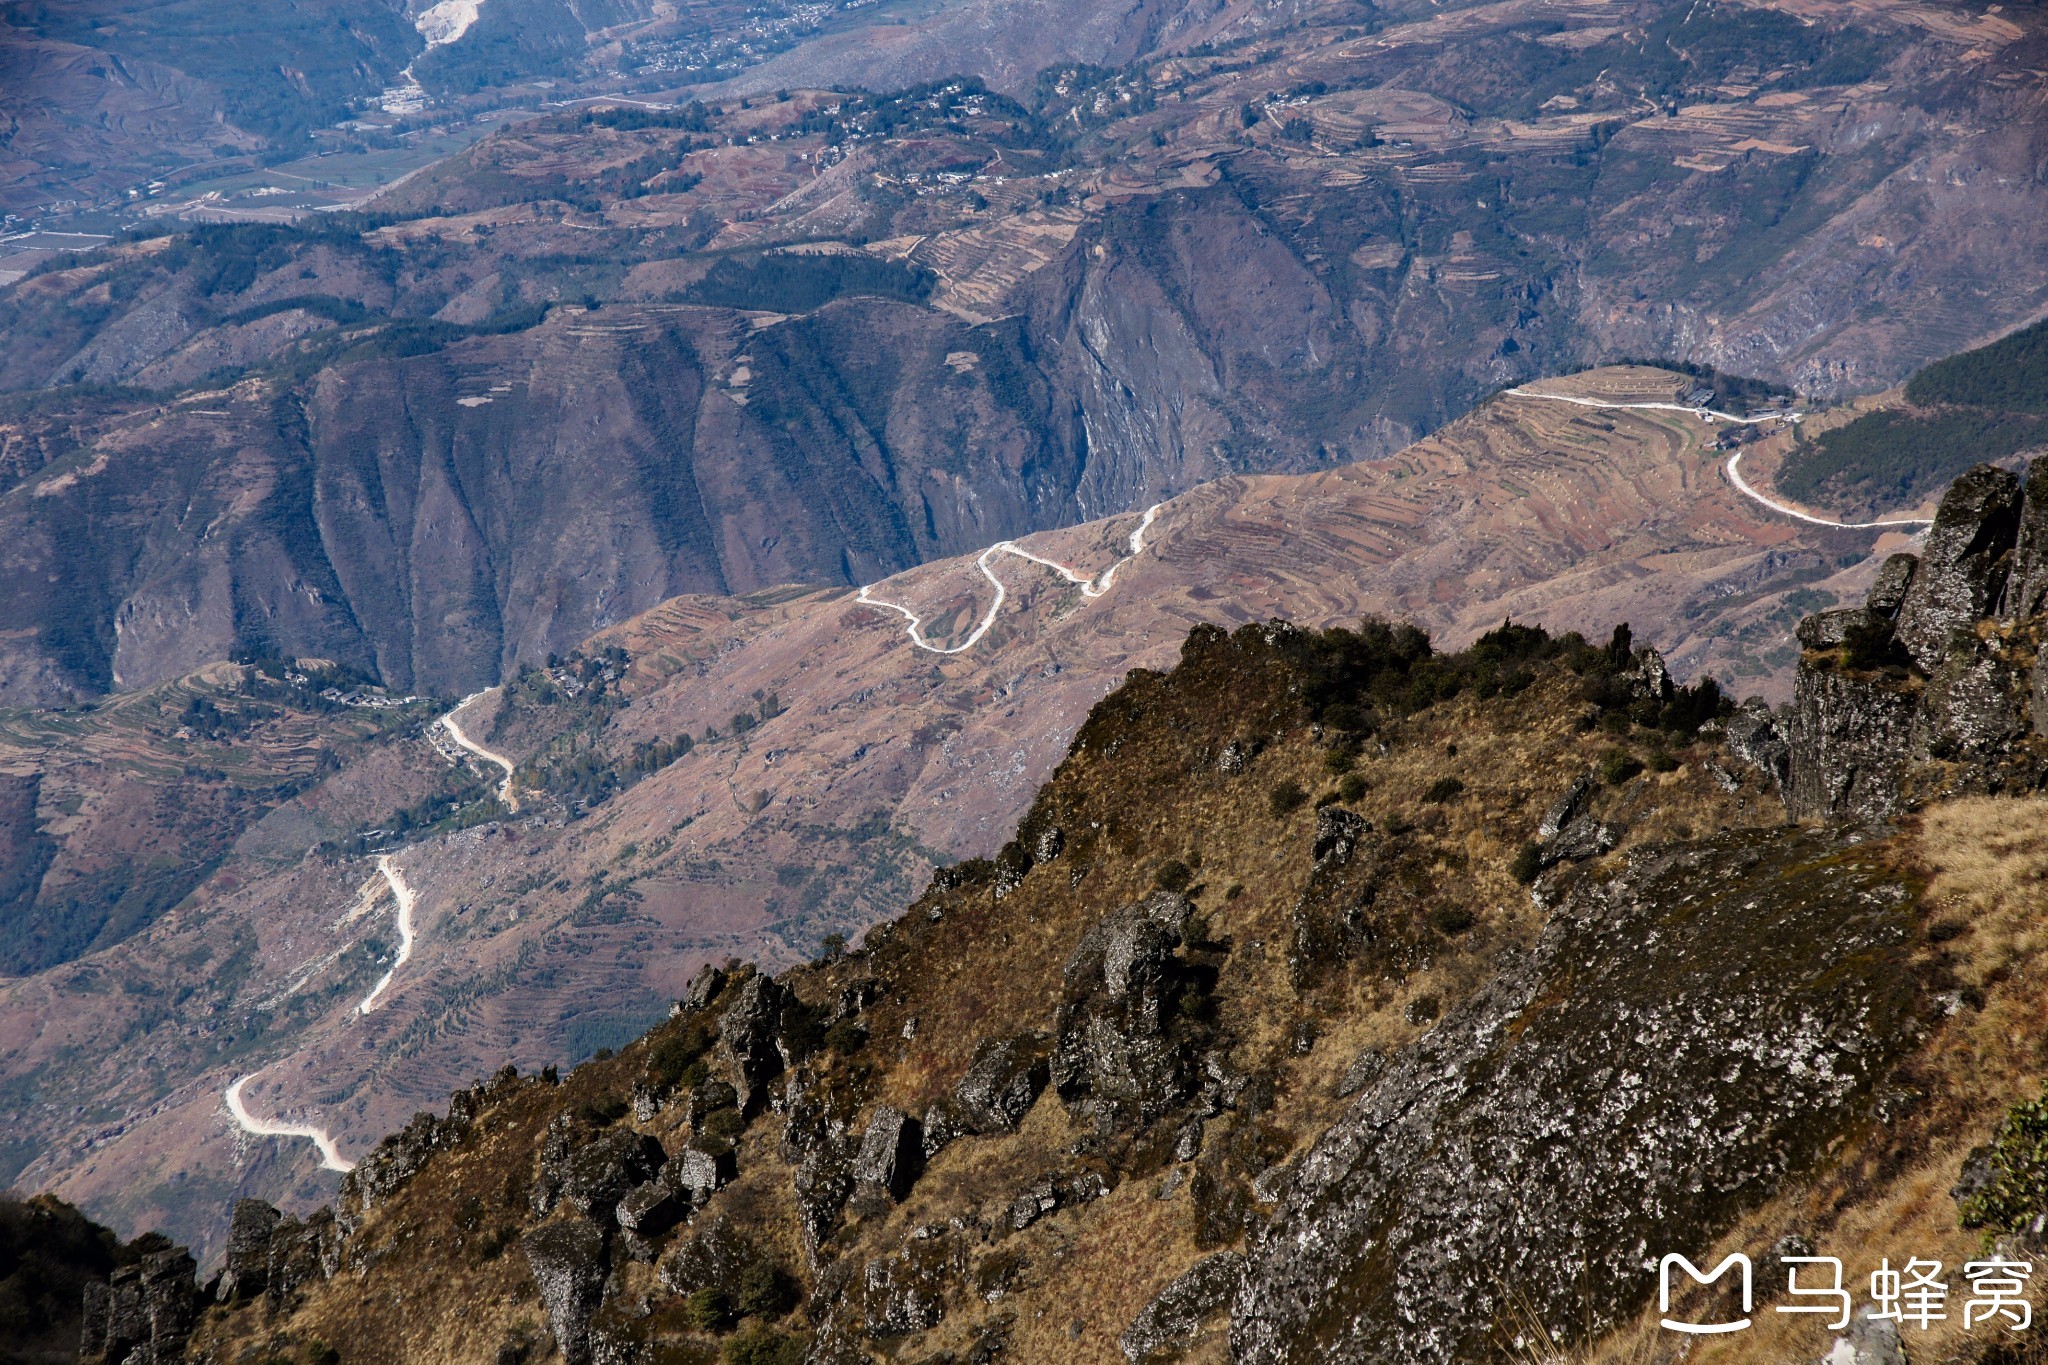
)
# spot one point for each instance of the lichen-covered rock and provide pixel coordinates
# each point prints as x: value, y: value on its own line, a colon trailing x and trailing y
x: 1832, y: 629
x: 1964, y: 564
x: 246, y: 1270
x: 598, y: 1174
x: 1975, y: 702
x: 570, y: 1266
x: 1888, y: 590
x: 703, y: 988
x: 1169, y: 1323
x: 1680, y: 1036
x: 2026, y: 588
x: 698, y: 1173
x: 891, y: 1154
x: 906, y: 1291
x: 144, y: 1314
x: 1869, y: 1341
x: 1001, y: 1084
x: 1581, y: 839
x: 1567, y: 809
x: 1121, y: 1053
x: 650, y: 1209
x: 1753, y: 735
x: 301, y: 1253
x: 748, y: 1032
x: 714, y: 1257
x: 1850, y: 737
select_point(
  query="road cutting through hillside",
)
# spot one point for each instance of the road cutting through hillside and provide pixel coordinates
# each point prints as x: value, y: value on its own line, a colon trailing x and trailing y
x: 406, y: 901
x: 506, y: 793
x: 1090, y: 587
x: 1734, y: 466
x: 330, y: 1158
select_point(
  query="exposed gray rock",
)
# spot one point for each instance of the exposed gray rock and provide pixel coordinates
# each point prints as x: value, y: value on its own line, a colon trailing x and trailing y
x: 1566, y: 810
x: 703, y: 988
x: 891, y: 1153
x: 246, y: 1271
x: 1831, y: 629
x: 143, y: 1315
x: 1710, y: 1018
x: 1649, y: 677
x: 598, y: 1174
x: 1580, y: 840
x: 1001, y: 1085
x: 1170, y: 1322
x: 698, y: 1174
x: 650, y: 1209
x: 1337, y: 834
x: 2026, y: 588
x: 1120, y: 1053
x: 1975, y: 702
x: 1964, y: 564
x: 301, y: 1253
x: 906, y: 1292
x: 395, y: 1161
x: 569, y: 1264
x: 1849, y: 741
x: 1368, y: 1066
x: 1051, y: 841
x: 747, y: 1034
x: 1888, y: 590
x: 1753, y: 735
x: 714, y: 1257
x: 1869, y: 1341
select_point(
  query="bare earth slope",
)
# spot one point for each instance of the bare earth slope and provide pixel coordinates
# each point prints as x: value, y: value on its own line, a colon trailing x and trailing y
x: 859, y: 761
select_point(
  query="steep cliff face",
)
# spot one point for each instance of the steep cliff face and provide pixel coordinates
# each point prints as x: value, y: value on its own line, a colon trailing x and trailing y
x: 1925, y: 683
x: 1428, y: 1065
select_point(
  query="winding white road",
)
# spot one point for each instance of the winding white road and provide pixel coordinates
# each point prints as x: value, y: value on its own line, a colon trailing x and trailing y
x: 1090, y: 587
x: 1734, y: 465
x: 506, y: 793
x: 329, y: 1157
x: 407, y: 899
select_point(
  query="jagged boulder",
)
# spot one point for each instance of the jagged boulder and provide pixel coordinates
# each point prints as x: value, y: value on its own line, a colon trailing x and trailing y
x: 747, y: 1034
x: 1567, y: 809
x: 597, y: 1175
x: 1964, y: 564
x: 1700, y: 1024
x: 703, y: 988
x: 1888, y: 590
x: 891, y: 1154
x: 1754, y: 735
x: 570, y: 1266
x: 396, y: 1160
x: 143, y: 1315
x: 246, y: 1270
x: 651, y: 1209
x: 1168, y: 1325
x: 301, y: 1253
x: 906, y: 1291
x: 1850, y: 738
x: 1001, y: 1084
x: 1975, y: 702
x: 697, y: 1173
x: 1833, y: 629
x: 1119, y: 1054
x: 2026, y: 588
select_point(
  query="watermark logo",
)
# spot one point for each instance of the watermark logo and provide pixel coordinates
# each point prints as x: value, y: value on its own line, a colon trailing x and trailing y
x: 1676, y: 1261
x: 1914, y: 1295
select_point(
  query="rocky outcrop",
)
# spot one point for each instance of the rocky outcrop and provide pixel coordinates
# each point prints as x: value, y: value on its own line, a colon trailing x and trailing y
x: 1697, y: 1024
x: 1849, y: 739
x: 748, y: 1032
x: 1332, y: 916
x: 2026, y: 587
x: 246, y: 1270
x: 144, y: 1314
x: 1888, y: 590
x: 1001, y: 1084
x: 567, y: 1258
x: 1122, y: 1054
x: 891, y: 1154
x: 1168, y: 1324
x: 1753, y: 734
x: 1964, y: 564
